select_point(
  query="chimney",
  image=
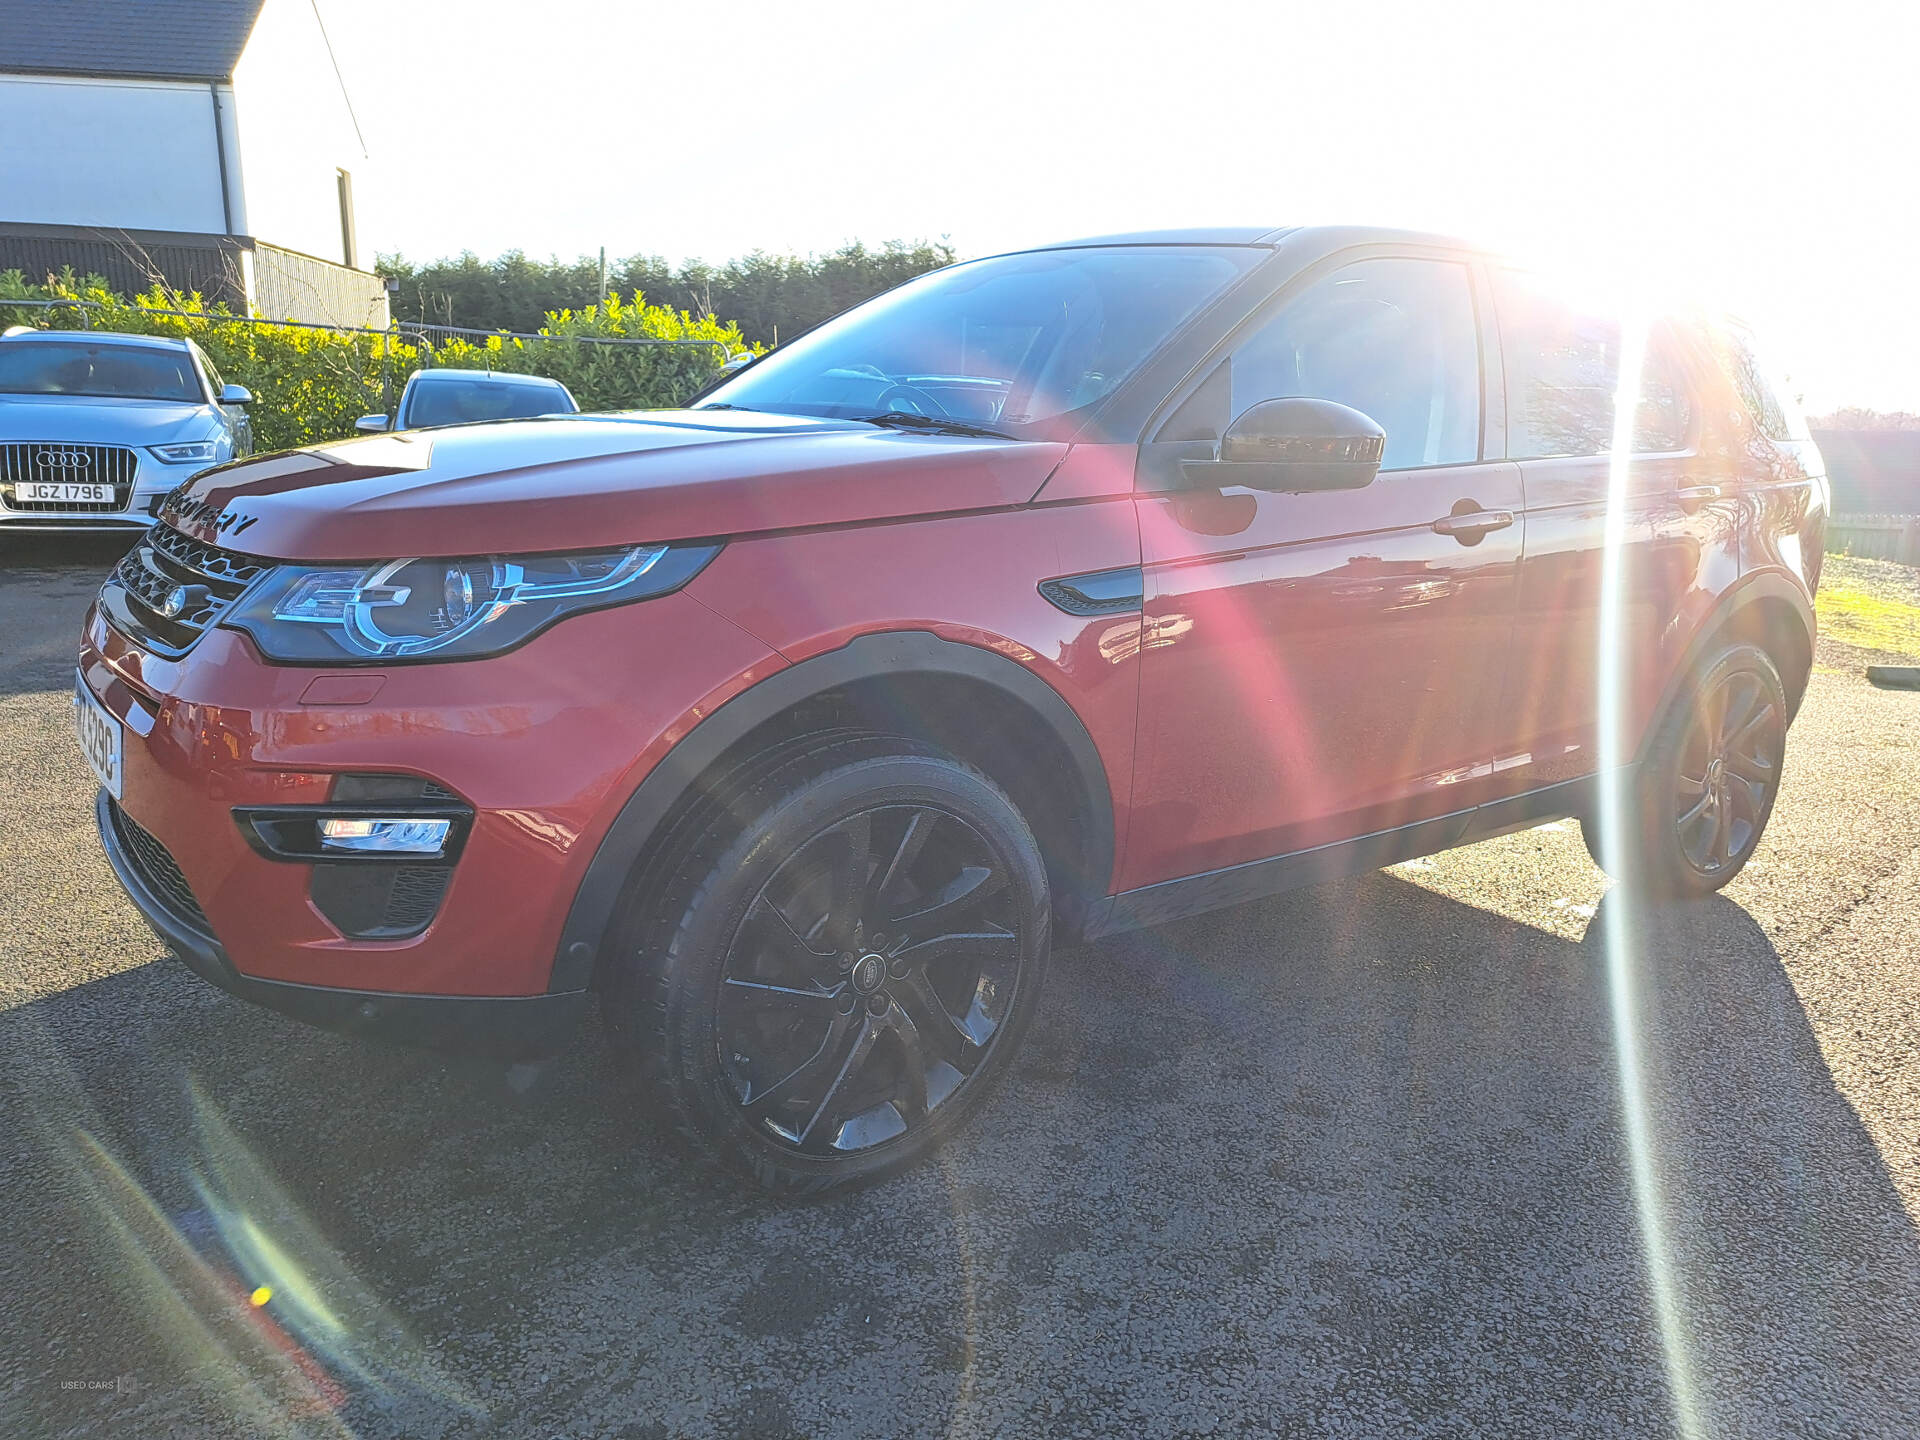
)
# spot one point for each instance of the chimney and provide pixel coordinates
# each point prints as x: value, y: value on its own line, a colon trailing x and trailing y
x: 349, y: 244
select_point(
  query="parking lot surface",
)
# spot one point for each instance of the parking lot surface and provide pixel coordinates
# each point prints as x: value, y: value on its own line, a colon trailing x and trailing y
x: 1468, y: 1147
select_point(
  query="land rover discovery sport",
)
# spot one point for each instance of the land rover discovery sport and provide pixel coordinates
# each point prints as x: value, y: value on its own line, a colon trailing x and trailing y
x: 1047, y: 595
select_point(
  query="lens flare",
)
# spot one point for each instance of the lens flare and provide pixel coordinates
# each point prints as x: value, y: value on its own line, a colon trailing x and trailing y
x: 1618, y: 939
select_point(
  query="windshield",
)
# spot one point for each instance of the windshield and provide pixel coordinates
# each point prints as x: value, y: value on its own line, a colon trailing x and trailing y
x: 90, y: 367
x: 461, y: 402
x: 1009, y: 342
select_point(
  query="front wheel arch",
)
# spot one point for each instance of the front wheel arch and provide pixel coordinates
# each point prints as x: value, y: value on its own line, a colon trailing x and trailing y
x: 1080, y: 848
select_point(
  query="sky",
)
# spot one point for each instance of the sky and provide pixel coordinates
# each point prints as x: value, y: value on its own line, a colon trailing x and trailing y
x: 1756, y: 156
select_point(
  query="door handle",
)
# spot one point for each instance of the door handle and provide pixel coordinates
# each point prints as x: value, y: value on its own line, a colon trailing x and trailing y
x: 1692, y: 497
x: 1471, y: 526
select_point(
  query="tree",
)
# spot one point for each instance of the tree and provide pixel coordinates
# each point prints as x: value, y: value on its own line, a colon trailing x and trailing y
x: 1853, y: 417
x: 769, y: 296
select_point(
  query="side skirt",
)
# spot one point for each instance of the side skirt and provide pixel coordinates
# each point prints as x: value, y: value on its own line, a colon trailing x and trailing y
x: 1256, y: 879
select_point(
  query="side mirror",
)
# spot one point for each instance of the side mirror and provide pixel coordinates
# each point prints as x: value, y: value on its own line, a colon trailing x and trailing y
x: 1292, y: 446
x: 235, y: 395
x: 371, y: 424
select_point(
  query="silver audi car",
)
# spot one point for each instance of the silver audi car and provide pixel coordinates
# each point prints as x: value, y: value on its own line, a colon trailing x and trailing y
x: 96, y: 428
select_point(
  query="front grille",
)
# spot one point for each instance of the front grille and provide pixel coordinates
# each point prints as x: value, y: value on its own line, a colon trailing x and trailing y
x: 60, y: 463
x: 154, y: 865
x: 168, y: 568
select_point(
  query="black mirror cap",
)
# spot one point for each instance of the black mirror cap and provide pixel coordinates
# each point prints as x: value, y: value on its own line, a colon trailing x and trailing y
x: 1295, y: 445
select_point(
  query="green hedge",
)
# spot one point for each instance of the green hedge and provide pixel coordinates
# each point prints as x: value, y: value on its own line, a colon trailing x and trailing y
x: 309, y: 384
x: 609, y: 377
x: 768, y: 296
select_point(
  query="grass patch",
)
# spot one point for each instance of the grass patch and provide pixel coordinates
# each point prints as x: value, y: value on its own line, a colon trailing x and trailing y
x: 1871, y: 605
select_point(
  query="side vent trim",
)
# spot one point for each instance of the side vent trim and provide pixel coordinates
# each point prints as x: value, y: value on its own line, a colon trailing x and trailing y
x: 1101, y: 592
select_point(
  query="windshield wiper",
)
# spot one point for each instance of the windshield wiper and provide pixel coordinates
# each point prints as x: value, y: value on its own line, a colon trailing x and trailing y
x: 932, y: 424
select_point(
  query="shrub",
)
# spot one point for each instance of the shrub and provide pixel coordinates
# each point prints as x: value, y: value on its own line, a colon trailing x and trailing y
x: 602, y: 376
x: 766, y: 295
x: 310, y: 383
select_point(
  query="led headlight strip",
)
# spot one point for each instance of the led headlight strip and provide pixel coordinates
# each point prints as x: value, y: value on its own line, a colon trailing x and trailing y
x: 423, y: 609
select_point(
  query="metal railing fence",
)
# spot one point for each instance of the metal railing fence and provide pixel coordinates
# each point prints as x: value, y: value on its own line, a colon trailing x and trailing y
x: 427, y: 339
x: 413, y: 331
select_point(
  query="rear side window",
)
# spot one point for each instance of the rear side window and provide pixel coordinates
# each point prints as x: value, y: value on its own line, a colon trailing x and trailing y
x: 1753, y: 381
x: 1666, y: 413
x: 1563, y: 367
x: 1394, y: 338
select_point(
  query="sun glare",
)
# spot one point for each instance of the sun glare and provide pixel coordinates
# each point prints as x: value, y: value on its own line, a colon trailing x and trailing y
x: 1619, y: 938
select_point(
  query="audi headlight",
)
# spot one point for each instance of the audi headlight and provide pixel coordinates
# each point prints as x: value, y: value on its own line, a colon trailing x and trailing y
x: 205, y: 452
x: 400, y: 610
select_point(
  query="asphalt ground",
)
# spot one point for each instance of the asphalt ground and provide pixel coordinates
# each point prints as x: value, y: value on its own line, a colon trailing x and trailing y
x: 1468, y: 1147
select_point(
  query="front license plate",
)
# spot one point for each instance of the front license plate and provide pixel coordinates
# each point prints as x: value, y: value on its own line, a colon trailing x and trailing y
x: 68, y: 492
x: 100, y: 735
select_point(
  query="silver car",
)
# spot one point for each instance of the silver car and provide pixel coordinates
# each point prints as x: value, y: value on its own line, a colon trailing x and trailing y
x: 464, y: 397
x: 96, y: 428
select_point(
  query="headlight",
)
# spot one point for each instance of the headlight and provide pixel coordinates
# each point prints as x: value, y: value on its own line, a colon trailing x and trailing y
x: 400, y: 610
x: 205, y: 451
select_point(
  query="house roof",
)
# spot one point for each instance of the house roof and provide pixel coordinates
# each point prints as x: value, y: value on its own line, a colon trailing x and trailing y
x: 159, y: 39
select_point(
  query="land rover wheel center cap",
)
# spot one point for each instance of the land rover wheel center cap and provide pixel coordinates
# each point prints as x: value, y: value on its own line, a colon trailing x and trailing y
x: 869, y: 971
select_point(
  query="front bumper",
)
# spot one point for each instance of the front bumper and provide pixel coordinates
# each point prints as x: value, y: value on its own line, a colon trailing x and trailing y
x: 516, y: 1027
x: 153, y: 481
x: 541, y: 745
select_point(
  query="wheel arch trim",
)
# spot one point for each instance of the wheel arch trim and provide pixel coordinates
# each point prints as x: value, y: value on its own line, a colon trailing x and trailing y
x: 868, y: 657
x: 1750, y: 590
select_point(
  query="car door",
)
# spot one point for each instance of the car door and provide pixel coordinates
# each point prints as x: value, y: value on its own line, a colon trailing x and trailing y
x: 1317, y: 667
x: 1679, y: 531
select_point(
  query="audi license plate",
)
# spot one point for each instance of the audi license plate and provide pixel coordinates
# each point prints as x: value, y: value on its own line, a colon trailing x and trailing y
x: 68, y: 492
x: 100, y: 735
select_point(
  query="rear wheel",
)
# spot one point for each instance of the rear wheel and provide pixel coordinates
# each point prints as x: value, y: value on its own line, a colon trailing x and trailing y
x: 843, y: 967
x: 1702, y: 796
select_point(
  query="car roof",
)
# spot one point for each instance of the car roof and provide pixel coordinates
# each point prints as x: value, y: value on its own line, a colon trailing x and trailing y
x: 116, y: 337
x: 502, y: 377
x: 1269, y: 237
x: 1263, y: 235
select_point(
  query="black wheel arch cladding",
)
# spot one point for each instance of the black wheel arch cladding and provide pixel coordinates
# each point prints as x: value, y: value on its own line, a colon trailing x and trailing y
x: 912, y: 654
x: 1733, y: 620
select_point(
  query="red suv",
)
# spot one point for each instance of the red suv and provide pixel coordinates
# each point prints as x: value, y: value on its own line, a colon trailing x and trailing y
x: 1045, y: 596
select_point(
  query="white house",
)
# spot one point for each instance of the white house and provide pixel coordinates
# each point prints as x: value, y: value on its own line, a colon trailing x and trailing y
x: 203, y: 144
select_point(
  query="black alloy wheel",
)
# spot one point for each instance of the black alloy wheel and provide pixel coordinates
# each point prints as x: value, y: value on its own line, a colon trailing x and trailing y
x: 1704, y: 787
x: 1728, y: 773
x: 840, y: 965
x: 868, y: 980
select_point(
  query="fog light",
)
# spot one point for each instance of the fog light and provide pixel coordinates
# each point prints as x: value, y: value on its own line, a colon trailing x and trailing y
x: 386, y: 837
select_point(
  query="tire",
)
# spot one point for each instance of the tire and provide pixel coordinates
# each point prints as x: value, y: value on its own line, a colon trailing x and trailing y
x: 840, y: 966
x: 1701, y: 797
